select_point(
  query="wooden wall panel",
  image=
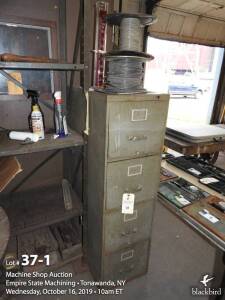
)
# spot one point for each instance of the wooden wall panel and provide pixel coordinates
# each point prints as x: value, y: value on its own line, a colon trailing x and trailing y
x: 185, y: 27
x: 130, y: 6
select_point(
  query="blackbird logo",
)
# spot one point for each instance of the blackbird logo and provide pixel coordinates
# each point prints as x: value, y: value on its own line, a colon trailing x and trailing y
x: 206, y: 279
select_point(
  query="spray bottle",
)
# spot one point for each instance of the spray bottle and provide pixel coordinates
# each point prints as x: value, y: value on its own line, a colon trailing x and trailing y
x: 36, y: 116
x: 59, y: 115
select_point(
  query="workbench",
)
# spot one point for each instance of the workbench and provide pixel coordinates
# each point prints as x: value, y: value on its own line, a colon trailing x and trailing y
x: 188, y: 148
x: 213, y: 239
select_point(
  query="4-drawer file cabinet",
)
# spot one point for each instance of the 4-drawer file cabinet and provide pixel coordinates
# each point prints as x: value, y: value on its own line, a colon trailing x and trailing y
x: 124, y: 145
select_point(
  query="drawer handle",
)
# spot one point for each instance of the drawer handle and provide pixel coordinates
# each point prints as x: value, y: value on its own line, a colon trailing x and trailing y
x: 135, y: 190
x: 140, y: 153
x: 134, y: 230
x: 129, y: 269
x: 134, y: 138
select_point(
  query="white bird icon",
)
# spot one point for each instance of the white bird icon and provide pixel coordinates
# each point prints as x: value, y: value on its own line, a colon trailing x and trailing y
x: 206, y: 280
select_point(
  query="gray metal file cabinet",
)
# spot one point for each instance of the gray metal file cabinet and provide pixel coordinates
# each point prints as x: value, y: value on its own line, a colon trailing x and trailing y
x: 124, y: 145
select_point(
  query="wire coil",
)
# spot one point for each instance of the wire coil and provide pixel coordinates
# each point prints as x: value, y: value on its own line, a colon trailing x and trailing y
x: 124, y: 74
x: 125, y: 67
x: 131, y: 35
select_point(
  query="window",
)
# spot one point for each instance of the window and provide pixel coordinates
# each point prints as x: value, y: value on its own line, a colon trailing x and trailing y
x: 26, y: 40
x: 190, y: 73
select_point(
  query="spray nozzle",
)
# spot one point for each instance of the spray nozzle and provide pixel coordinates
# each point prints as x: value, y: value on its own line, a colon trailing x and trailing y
x: 33, y: 95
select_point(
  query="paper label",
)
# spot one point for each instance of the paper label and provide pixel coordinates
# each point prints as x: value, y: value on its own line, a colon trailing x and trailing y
x: 182, y: 200
x: 206, y: 214
x: 194, y: 171
x: 128, y: 203
x: 208, y: 180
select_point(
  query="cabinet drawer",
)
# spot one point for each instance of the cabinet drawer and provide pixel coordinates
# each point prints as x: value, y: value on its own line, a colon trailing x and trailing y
x: 127, y: 263
x: 138, y: 176
x: 122, y: 230
x: 136, y: 129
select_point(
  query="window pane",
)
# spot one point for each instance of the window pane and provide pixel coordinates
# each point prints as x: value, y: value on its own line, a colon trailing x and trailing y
x: 190, y: 73
x: 28, y: 41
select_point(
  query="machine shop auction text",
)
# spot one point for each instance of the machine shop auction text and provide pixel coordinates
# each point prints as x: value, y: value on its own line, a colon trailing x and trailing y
x: 58, y: 283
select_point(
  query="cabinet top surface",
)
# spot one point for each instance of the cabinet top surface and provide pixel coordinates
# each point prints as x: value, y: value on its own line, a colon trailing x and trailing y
x: 130, y: 97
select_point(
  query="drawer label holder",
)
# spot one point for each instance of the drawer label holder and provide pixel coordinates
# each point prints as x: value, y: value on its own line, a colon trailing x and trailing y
x: 135, y: 170
x: 127, y: 255
x: 138, y: 115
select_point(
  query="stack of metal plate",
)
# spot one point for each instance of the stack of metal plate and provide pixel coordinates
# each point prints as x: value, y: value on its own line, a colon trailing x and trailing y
x: 181, y: 192
x: 210, y: 175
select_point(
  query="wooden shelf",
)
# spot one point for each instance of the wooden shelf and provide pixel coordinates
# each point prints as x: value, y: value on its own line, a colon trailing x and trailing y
x: 10, y: 147
x: 38, y: 208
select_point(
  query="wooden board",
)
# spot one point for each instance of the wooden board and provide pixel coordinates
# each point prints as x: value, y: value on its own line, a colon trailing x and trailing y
x: 37, y: 208
x: 193, y: 224
x: 9, y: 168
x: 166, y: 175
x: 10, y: 147
x: 218, y: 228
x: 187, y: 148
x: 68, y: 236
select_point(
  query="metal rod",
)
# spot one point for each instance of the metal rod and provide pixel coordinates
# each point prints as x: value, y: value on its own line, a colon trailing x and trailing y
x: 19, y: 84
x: 33, y: 171
x: 63, y: 46
x: 41, y: 66
x: 46, y: 104
x: 77, y: 167
x: 76, y: 45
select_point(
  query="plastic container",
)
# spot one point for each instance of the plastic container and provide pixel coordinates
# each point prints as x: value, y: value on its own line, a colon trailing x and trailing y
x: 37, y: 122
x: 22, y: 136
x: 59, y: 115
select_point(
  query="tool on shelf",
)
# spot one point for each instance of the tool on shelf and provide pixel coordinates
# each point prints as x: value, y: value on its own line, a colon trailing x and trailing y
x: 67, y: 189
x: 27, y: 137
x: 9, y: 57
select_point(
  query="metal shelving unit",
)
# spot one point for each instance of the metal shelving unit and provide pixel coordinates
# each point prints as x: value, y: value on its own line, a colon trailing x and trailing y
x: 46, y: 205
x: 43, y: 212
x: 41, y: 207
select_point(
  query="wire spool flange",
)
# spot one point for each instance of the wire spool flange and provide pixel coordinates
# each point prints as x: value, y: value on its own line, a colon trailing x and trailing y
x: 116, y: 18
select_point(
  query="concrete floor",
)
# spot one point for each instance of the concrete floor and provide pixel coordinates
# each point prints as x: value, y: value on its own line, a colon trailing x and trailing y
x: 179, y: 259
